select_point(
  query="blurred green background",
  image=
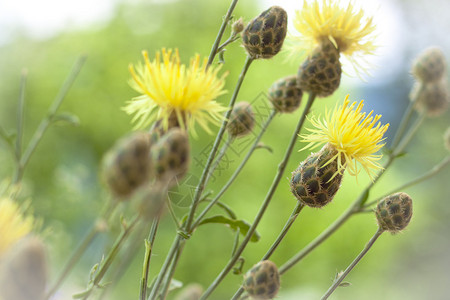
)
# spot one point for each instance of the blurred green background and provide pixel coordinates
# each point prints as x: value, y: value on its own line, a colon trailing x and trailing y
x: 63, y: 177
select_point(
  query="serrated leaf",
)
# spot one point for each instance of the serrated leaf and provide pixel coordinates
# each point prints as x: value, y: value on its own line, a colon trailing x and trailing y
x: 68, y: 118
x: 233, y: 224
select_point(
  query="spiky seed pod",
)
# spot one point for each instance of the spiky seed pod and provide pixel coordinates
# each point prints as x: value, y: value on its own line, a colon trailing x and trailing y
x: 447, y: 139
x: 262, y: 281
x: 170, y: 155
x: 312, y: 183
x: 23, y: 271
x: 321, y: 72
x: 431, y: 98
x: 264, y: 35
x: 285, y: 94
x: 394, y: 212
x: 429, y: 65
x: 242, y: 120
x: 127, y: 165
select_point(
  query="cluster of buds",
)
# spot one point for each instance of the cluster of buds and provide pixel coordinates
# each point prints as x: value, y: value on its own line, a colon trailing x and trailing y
x: 430, y: 93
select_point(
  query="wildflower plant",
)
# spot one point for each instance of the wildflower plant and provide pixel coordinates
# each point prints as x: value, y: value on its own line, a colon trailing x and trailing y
x: 144, y: 166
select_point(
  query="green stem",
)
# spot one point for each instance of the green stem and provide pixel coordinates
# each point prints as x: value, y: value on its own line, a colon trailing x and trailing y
x: 225, y: 21
x: 436, y: 169
x: 404, y: 122
x: 165, y: 289
x: 230, y: 40
x: 20, y: 113
x: 98, y: 227
x: 271, y: 192
x: 100, y: 273
x: 298, y: 208
x: 236, y: 172
x: 45, y: 123
x: 338, y: 280
x: 148, y: 253
x: 201, y: 185
x: 221, y: 154
x: 409, y: 135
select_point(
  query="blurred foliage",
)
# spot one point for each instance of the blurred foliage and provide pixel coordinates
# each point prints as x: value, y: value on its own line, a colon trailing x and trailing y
x: 63, y: 176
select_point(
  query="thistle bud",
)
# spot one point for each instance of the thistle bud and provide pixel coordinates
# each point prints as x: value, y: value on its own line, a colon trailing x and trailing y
x: 447, y: 139
x: 170, y: 155
x: 262, y: 281
x: 127, y: 165
x: 394, y: 212
x: 238, y: 26
x: 23, y: 271
x: 264, y: 35
x: 431, y: 98
x: 321, y: 72
x: 242, y: 120
x: 285, y: 94
x: 312, y: 183
x: 430, y: 65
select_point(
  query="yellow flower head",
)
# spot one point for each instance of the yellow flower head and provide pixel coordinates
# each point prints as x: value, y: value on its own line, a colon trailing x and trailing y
x: 346, y: 28
x: 355, y: 135
x: 169, y: 87
x: 13, y: 224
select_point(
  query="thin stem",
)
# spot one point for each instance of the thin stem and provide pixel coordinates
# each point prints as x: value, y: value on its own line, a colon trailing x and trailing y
x: 172, y: 213
x: 436, y: 169
x: 230, y: 40
x: 201, y: 185
x: 409, y: 135
x: 298, y: 208
x: 4, y: 135
x: 404, y: 122
x: 45, y: 123
x: 20, y: 113
x: 171, y: 272
x: 98, y: 227
x: 225, y: 21
x: 338, y: 280
x: 270, y: 193
x: 221, y: 154
x: 165, y: 268
x: 100, y: 273
x: 148, y: 253
x: 236, y: 172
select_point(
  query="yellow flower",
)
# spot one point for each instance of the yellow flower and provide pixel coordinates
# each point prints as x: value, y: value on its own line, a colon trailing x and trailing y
x: 347, y: 29
x: 354, y: 135
x: 169, y: 87
x: 13, y: 224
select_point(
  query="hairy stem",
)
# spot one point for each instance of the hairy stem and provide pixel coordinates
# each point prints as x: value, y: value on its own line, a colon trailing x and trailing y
x: 341, y: 277
x: 270, y: 193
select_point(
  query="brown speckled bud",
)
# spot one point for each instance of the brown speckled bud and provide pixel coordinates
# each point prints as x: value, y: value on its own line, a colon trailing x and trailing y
x: 242, y: 120
x: 285, y: 94
x: 394, y: 212
x: 262, y: 281
x: 429, y: 65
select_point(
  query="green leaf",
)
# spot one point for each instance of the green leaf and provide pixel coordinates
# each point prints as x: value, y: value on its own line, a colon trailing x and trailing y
x: 233, y: 224
x: 345, y: 284
x: 364, y: 197
x: 68, y: 118
x: 221, y: 56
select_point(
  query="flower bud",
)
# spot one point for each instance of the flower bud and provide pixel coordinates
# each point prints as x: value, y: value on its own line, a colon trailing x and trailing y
x: 242, y: 120
x: 430, y: 65
x: 23, y: 271
x: 127, y: 165
x: 394, y: 212
x: 312, y: 183
x: 170, y: 155
x: 264, y: 35
x: 321, y: 72
x: 262, y: 281
x: 285, y: 94
x: 238, y: 26
x: 431, y: 98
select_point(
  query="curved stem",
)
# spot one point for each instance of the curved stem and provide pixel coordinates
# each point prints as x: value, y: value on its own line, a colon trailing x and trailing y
x: 298, y: 208
x: 98, y: 227
x: 226, y: 19
x: 45, y: 123
x: 404, y: 122
x: 409, y: 135
x: 236, y: 172
x: 148, y: 253
x: 270, y: 193
x: 104, y: 266
x: 352, y: 265
x: 436, y: 169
